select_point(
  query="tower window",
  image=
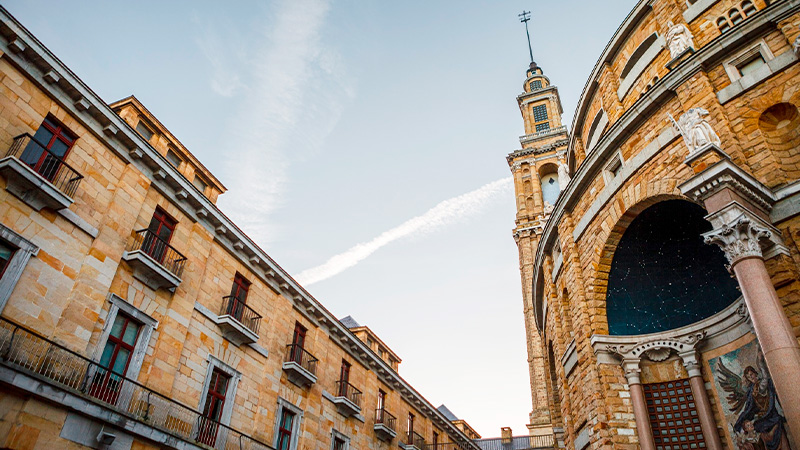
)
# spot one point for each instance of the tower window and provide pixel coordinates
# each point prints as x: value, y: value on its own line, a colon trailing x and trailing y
x: 539, y: 113
x: 535, y: 84
x: 173, y: 158
x: 144, y: 130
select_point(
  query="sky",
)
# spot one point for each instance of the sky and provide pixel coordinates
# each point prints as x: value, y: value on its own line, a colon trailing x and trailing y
x: 363, y: 144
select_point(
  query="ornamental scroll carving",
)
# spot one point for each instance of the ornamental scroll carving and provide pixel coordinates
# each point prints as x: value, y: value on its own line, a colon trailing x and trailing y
x: 696, y: 131
x: 679, y: 39
x: 740, y: 239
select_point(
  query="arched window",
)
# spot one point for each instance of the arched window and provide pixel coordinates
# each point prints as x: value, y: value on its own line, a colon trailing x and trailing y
x: 735, y: 16
x: 723, y: 24
x: 550, y: 189
x: 596, y: 130
x: 748, y: 9
x: 663, y: 276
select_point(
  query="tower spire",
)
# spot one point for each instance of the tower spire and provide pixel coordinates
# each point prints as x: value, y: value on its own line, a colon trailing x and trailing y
x: 524, y: 18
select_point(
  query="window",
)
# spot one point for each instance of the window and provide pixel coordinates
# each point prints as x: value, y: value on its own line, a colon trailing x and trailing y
x: 381, y: 400
x: 338, y: 444
x: 238, y: 297
x: 107, y: 381
x: 145, y: 131
x: 723, y: 24
x: 339, y: 441
x: 539, y: 113
x: 535, y: 84
x: 285, y: 430
x: 214, y: 404
x: 736, y: 16
x: 673, y: 415
x: 173, y: 158
x: 6, y: 253
x: 750, y: 65
x: 747, y: 8
x: 298, y: 343
x: 344, y: 379
x: 159, y: 233
x: 435, y: 440
x: 613, y: 167
x: 370, y: 342
x: 410, y: 426
x: 200, y: 184
x: 550, y: 188
x: 51, y: 144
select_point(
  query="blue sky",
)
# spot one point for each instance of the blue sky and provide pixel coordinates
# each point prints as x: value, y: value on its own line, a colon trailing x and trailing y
x: 372, y: 130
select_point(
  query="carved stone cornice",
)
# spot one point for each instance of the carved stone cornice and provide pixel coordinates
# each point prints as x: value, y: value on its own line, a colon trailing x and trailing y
x: 726, y: 174
x: 554, y: 146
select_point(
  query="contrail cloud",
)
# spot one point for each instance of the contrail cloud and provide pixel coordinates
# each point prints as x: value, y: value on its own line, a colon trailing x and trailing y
x: 435, y: 218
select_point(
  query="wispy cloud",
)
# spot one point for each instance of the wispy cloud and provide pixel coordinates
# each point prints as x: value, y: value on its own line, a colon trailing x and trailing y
x: 282, y: 89
x: 441, y: 215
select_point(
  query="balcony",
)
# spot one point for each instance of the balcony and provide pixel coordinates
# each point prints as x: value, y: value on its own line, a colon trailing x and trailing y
x: 385, y: 424
x: 239, y: 323
x: 36, y: 365
x: 528, y: 138
x: 38, y: 177
x: 414, y: 441
x: 347, y: 399
x: 156, y: 263
x: 300, y: 366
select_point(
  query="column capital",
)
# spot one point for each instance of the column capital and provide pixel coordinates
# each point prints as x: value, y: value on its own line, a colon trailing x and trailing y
x: 744, y: 236
x: 691, y: 363
x: 632, y: 371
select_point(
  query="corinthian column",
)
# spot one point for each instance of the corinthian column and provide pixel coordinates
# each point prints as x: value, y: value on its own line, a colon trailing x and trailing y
x: 741, y: 239
x: 632, y: 373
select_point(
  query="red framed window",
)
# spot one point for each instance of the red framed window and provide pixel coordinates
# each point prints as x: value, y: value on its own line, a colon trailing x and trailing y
x: 52, y: 143
x: 285, y: 430
x: 344, y: 378
x: 239, y: 292
x: 339, y: 444
x: 115, y: 359
x: 673, y: 416
x: 410, y: 427
x: 298, y: 343
x: 381, y: 401
x: 212, y: 411
x: 160, y: 230
x: 6, y: 253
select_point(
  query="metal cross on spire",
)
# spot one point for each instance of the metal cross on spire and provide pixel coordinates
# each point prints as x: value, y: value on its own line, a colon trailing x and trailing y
x: 525, y: 17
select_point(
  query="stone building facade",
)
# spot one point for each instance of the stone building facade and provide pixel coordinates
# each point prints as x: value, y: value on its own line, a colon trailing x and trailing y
x: 662, y: 285
x: 136, y: 315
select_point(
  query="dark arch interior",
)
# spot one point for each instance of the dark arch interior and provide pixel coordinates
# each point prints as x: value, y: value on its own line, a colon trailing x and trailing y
x: 663, y: 276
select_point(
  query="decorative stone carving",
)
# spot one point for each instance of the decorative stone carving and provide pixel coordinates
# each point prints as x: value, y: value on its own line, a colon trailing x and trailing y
x: 740, y: 239
x: 796, y: 46
x: 548, y: 208
x: 563, y: 175
x: 658, y: 354
x: 679, y: 39
x: 696, y: 131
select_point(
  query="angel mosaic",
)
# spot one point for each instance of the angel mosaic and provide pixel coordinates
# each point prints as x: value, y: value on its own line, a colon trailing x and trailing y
x: 754, y: 405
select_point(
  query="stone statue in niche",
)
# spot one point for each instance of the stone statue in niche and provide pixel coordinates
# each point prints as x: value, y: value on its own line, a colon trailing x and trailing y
x: 563, y: 175
x: 696, y: 130
x: 678, y: 38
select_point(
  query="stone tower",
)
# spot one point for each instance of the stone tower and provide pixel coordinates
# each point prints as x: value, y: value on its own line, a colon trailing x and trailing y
x: 539, y: 174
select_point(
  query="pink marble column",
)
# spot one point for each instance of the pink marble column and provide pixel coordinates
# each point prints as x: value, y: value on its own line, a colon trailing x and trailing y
x: 703, y: 405
x: 740, y: 240
x: 639, y: 404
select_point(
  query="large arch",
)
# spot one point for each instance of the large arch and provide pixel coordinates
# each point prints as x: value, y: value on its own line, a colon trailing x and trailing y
x: 663, y: 276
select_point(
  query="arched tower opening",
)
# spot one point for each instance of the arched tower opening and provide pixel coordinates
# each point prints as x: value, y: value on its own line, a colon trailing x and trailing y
x: 663, y: 276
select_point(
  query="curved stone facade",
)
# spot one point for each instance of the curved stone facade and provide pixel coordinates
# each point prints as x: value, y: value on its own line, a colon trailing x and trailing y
x: 690, y: 100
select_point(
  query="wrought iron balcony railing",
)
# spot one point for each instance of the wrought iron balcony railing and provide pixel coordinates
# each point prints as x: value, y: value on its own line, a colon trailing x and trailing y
x: 415, y: 439
x: 164, y: 254
x: 383, y: 416
x: 348, y: 391
x: 28, y: 352
x: 51, y: 167
x: 299, y: 355
x: 245, y: 315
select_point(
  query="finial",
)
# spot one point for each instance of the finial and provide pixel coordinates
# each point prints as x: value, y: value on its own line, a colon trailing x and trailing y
x: 524, y: 18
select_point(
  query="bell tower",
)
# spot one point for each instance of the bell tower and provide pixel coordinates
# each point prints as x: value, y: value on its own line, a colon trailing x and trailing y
x: 540, y: 174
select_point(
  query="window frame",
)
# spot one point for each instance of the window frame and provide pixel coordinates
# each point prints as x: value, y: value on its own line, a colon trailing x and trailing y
x: 545, y: 120
x: 23, y: 251
x: 732, y: 66
x: 198, y: 179
x: 148, y: 325
x: 294, y: 438
x: 177, y: 156
x: 336, y: 435
x: 147, y: 127
x: 234, y: 375
x: 59, y: 133
x: 613, y: 168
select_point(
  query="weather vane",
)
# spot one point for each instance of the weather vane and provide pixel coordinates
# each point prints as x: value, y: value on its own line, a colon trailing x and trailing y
x: 525, y: 17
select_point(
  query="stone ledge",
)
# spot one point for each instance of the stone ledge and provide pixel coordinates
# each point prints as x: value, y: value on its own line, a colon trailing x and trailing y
x: 30, y: 187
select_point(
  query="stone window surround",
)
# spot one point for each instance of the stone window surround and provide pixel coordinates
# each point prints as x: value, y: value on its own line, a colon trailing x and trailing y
x: 336, y: 434
x: 613, y: 166
x: 642, y: 61
x: 282, y: 405
x: 732, y: 65
x: 24, y: 250
x: 230, y: 392
x: 148, y: 324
